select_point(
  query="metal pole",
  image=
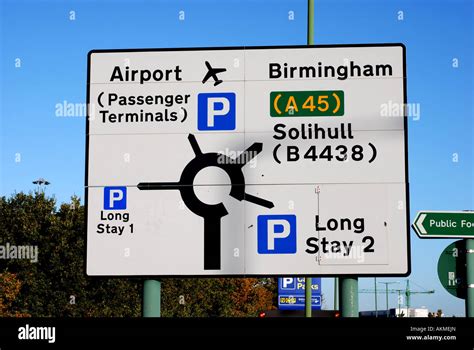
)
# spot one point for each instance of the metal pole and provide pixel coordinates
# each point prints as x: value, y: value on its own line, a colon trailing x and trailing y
x: 376, y: 308
x: 470, y: 277
x: 310, y: 41
x: 336, y: 293
x: 151, y: 298
x: 399, y: 304
x: 386, y: 295
x: 307, y: 301
x: 407, y: 295
x: 310, y: 22
x: 349, y: 296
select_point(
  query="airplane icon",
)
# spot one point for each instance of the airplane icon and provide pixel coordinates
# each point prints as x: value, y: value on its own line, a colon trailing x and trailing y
x: 212, y: 72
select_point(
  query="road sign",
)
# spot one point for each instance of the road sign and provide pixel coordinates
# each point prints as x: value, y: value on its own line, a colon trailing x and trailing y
x: 444, y: 224
x: 255, y: 161
x: 291, y: 293
x: 452, y: 269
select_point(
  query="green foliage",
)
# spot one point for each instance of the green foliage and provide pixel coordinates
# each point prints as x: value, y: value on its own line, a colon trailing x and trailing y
x: 9, y: 289
x: 56, y: 285
x: 211, y: 297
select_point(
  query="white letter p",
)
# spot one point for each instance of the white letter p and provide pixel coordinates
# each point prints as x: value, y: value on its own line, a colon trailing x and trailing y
x: 115, y: 196
x: 212, y: 112
x: 272, y: 235
x: 287, y: 281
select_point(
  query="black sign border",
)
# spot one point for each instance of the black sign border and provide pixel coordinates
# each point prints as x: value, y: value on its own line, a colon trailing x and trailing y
x: 230, y: 48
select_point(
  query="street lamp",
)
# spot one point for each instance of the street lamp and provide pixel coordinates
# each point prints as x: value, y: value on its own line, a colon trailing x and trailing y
x: 386, y: 292
x: 41, y: 183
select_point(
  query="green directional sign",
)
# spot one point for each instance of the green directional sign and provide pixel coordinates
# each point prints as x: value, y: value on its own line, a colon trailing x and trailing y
x: 452, y: 269
x: 444, y: 224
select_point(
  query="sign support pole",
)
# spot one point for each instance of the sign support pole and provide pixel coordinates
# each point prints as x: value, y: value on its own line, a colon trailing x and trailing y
x: 151, y: 298
x: 470, y: 277
x: 307, y: 296
x: 310, y: 22
x: 310, y: 41
x: 349, y: 296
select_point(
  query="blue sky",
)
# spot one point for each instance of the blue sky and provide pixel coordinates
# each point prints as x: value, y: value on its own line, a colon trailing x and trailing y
x: 53, y: 51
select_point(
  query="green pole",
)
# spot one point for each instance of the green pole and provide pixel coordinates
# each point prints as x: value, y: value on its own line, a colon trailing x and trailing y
x: 307, y: 301
x: 376, y: 308
x: 349, y: 296
x: 470, y: 277
x: 151, y: 298
x: 310, y: 41
x: 310, y: 22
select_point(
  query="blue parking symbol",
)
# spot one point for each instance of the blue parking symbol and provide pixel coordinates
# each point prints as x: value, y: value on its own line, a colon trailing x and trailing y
x: 115, y: 198
x: 276, y: 234
x: 216, y: 111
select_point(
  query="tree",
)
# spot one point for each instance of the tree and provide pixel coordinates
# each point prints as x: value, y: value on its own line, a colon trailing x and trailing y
x: 56, y: 285
x: 9, y: 289
x: 212, y: 297
x: 439, y: 313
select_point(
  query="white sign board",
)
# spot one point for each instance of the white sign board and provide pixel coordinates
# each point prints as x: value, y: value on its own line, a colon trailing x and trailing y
x: 247, y: 161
